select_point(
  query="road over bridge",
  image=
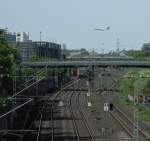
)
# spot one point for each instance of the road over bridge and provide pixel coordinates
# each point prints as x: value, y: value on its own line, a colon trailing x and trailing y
x: 97, y: 58
x: 128, y: 64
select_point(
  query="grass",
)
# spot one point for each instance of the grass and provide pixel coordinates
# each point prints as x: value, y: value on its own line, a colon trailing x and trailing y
x: 144, y: 112
x: 127, y: 87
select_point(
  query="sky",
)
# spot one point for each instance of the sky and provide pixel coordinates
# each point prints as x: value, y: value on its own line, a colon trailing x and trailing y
x: 72, y: 22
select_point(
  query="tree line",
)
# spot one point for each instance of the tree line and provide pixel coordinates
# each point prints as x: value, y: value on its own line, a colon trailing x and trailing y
x: 143, y: 54
x: 9, y: 59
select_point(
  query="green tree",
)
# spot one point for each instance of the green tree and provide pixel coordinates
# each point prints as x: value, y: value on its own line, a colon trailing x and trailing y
x: 136, y: 54
x: 5, y: 54
x: 146, y: 49
x: 146, y: 88
x: 8, y: 58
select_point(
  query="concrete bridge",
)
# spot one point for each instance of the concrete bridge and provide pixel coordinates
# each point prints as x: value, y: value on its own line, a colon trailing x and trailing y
x: 103, y: 64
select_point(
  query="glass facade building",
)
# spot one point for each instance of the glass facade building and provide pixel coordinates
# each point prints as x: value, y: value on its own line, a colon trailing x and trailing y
x: 47, y: 50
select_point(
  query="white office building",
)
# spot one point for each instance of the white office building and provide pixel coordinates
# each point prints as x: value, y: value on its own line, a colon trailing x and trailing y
x: 22, y: 37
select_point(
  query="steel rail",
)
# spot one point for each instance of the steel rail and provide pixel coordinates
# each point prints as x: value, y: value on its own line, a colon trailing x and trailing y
x: 39, y: 114
x: 126, y: 117
x: 41, y: 119
x: 84, y: 119
x: 118, y: 119
x: 52, y: 99
x: 52, y: 121
x: 122, y: 123
x: 73, y: 118
x: 40, y: 124
x: 51, y: 118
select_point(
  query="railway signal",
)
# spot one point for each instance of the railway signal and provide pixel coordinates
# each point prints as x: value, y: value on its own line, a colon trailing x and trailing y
x: 89, y: 104
x: 87, y: 83
x: 108, y: 107
x: 111, y: 106
x: 88, y: 94
x: 60, y: 104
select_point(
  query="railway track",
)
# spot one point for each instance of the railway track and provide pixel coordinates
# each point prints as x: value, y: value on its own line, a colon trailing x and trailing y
x: 77, y: 122
x: 84, y: 119
x: 46, y: 116
x: 127, y: 124
x: 46, y: 110
x: 80, y: 123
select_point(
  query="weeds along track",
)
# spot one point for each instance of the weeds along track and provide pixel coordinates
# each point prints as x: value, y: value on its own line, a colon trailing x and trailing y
x: 127, y: 124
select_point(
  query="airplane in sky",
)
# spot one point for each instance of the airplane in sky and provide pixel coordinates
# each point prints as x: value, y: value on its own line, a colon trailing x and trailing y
x: 102, y: 29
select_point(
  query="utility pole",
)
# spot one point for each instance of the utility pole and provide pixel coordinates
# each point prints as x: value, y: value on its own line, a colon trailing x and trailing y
x: 118, y: 46
x: 103, y: 52
x: 136, y: 116
x: 40, y: 36
x: 136, y: 91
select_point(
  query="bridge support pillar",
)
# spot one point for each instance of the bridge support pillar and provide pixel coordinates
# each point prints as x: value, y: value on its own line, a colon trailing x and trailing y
x: 53, y: 78
x: 60, y: 79
x: 70, y: 72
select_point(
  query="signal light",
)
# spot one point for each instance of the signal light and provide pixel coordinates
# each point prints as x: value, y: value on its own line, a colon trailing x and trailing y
x: 111, y: 106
